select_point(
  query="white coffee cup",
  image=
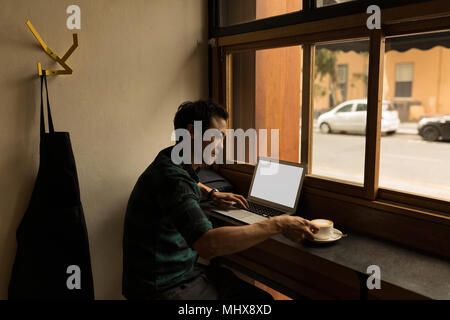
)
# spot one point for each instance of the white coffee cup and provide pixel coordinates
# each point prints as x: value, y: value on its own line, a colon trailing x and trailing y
x: 326, y: 228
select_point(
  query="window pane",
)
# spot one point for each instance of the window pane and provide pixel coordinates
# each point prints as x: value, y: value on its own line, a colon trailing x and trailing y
x: 403, y: 89
x: 346, y: 108
x: 240, y: 11
x: 342, y: 73
x: 267, y: 95
x: 361, y: 107
x: 415, y: 159
x: 326, y: 3
x: 339, y: 134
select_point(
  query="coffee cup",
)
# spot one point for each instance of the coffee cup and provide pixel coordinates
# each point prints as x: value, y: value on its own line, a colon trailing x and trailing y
x: 325, y: 227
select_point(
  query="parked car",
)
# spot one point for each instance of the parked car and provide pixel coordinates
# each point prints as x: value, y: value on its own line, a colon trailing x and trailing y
x: 433, y: 128
x: 351, y: 116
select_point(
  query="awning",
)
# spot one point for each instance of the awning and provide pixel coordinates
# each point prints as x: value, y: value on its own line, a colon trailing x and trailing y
x: 401, y: 44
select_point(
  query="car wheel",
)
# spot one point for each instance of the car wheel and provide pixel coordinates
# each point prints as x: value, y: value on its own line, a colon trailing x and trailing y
x: 430, y: 133
x: 389, y: 133
x: 325, y: 128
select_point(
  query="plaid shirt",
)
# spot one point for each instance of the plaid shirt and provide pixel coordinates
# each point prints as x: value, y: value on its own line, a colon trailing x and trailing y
x: 162, y: 221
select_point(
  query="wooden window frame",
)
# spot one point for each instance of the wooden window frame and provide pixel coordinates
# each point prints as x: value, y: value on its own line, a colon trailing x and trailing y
x: 316, y: 181
x: 413, y: 19
x: 308, y: 13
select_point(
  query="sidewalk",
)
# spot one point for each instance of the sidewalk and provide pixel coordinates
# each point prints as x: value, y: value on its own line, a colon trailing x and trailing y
x: 407, y: 128
x: 404, y: 128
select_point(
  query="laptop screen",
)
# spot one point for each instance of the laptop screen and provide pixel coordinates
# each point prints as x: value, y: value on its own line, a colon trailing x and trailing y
x: 276, y: 182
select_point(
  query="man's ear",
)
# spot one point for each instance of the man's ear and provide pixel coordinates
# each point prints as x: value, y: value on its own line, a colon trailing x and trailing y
x: 190, y: 128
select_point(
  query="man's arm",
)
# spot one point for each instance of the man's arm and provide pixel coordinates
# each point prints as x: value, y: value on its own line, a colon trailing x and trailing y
x: 204, y: 189
x: 226, y: 198
x: 228, y: 240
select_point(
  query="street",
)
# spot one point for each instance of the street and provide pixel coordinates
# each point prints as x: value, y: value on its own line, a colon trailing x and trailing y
x: 407, y: 163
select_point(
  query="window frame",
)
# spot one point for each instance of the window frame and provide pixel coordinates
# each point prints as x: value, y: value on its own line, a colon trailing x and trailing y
x: 404, y: 204
x: 312, y: 180
x: 308, y: 13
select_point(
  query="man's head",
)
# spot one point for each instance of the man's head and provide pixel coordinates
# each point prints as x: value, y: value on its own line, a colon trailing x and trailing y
x: 210, y: 114
x: 205, y: 111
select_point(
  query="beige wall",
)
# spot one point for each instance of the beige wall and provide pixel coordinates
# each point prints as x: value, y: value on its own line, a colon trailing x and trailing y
x: 137, y: 61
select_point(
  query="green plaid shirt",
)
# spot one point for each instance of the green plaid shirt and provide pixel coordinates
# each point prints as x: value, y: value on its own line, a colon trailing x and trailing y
x: 162, y: 221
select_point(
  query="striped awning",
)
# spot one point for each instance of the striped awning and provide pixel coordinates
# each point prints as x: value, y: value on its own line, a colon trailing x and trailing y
x: 401, y: 44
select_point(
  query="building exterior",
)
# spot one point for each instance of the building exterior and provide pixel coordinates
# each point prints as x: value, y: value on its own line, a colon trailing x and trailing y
x: 417, y: 81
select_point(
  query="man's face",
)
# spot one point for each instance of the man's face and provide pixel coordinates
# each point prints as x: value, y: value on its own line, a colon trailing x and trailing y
x: 214, y: 137
x: 220, y: 126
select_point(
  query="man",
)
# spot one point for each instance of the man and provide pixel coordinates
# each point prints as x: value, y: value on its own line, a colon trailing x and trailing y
x: 166, y: 230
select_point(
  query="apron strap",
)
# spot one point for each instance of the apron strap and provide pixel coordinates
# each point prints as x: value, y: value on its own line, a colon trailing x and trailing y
x: 49, y: 113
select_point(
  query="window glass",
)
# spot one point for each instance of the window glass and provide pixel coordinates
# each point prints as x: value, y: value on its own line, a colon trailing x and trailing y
x: 346, y: 108
x: 361, y: 107
x: 267, y: 96
x: 404, y: 76
x: 414, y: 154
x: 240, y: 11
x: 340, y: 81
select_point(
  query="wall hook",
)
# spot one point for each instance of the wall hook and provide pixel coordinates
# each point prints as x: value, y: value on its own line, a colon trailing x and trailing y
x: 54, y: 56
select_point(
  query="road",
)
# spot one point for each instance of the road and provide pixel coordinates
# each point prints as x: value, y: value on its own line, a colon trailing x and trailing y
x: 407, y: 163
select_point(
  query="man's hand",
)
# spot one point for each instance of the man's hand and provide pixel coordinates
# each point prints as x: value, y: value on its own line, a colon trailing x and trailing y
x: 228, y: 198
x: 296, y: 228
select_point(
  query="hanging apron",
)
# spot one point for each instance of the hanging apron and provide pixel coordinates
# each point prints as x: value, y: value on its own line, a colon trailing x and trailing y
x: 52, y: 259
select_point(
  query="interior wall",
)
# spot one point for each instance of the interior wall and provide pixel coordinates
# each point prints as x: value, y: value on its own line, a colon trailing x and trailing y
x: 136, y: 62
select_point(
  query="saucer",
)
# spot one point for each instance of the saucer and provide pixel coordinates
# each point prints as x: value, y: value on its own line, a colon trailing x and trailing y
x: 335, y: 236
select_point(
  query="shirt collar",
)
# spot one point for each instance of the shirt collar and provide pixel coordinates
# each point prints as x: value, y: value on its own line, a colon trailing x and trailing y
x: 191, y: 171
x: 188, y: 168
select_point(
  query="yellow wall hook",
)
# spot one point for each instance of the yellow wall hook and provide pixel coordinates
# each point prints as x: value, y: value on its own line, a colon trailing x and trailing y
x: 54, y: 56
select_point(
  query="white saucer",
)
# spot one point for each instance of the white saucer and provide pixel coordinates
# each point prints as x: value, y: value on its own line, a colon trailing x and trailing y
x: 335, y: 236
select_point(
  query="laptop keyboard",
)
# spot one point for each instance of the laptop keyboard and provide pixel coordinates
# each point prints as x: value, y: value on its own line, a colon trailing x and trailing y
x: 263, y: 210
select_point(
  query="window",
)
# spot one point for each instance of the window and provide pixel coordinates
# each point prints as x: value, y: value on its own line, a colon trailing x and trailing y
x: 240, y: 11
x: 339, y: 140
x: 404, y: 75
x: 415, y: 158
x: 231, y: 17
x: 267, y: 96
x: 342, y: 77
x: 346, y: 108
x: 361, y: 107
x: 402, y: 175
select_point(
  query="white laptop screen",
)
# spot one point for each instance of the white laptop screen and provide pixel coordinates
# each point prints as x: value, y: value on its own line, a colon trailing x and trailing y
x: 276, y: 182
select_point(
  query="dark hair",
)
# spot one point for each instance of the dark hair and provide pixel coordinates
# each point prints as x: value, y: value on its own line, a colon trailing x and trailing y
x: 201, y: 110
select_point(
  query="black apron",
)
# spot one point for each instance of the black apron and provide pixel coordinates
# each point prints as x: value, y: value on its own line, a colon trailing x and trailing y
x: 53, y: 247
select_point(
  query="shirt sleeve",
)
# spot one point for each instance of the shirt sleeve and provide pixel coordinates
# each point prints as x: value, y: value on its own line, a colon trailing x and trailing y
x: 186, y: 214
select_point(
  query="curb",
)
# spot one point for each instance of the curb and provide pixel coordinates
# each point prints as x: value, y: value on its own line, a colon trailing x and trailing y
x: 406, y: 131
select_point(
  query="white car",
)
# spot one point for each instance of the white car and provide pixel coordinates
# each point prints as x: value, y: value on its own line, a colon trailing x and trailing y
x: 351, y: 116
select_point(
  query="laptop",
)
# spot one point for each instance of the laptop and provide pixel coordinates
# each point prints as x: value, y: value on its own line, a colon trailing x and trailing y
x: 274, y: 191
